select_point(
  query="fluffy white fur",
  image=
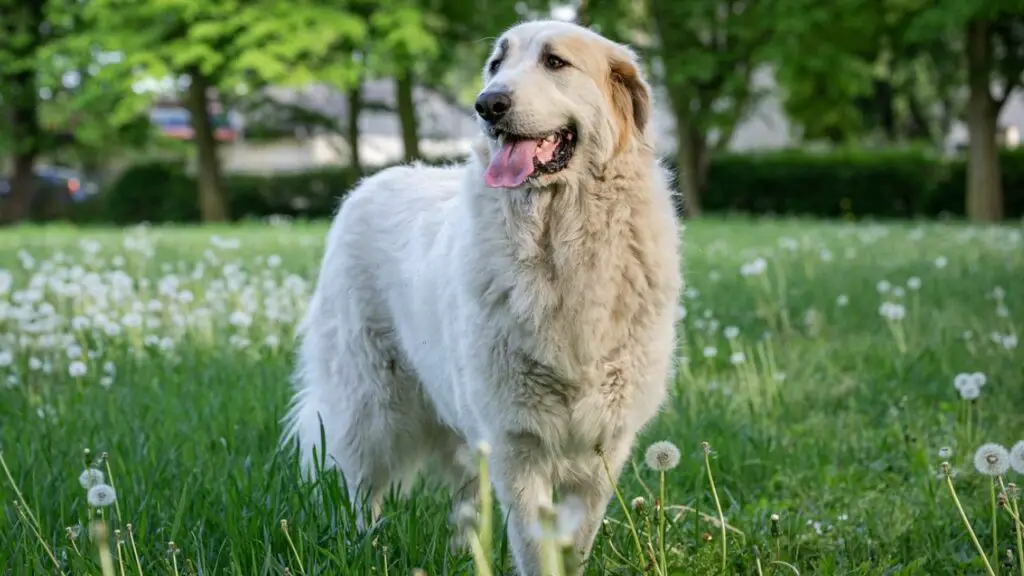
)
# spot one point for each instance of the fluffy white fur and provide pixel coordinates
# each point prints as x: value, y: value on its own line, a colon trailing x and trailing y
x: 539, y: 319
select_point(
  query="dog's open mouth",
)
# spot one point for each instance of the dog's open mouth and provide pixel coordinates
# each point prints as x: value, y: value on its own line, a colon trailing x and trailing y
x: 522, y: 157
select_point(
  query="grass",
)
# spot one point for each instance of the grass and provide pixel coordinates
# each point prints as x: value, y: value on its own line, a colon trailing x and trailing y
x: 818, y: 409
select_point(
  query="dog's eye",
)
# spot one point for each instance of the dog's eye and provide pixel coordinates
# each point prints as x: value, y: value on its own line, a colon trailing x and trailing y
x: 554, y: 62
x: 494, y: 65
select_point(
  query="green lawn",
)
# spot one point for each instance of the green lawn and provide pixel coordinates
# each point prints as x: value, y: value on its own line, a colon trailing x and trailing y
x: 819, y: 409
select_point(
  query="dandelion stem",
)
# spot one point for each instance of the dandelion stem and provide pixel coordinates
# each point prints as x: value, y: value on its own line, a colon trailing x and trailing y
x: 625, y: 509
x: 1015, y: 513
x: 486, y: 505
x: 967, y: 524
x: 1020, y: 538
x: 120, y: 556
x: 718, y: 506
x: 110, y: 480
x: 661, y: 526
x: 100, y: 535
x: 483, y: 567
x: 995, y: 520
x: 135, y: 550
x: 291, y: 544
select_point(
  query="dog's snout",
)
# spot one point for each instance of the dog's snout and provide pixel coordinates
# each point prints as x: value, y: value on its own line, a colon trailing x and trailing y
x: 492, y: 106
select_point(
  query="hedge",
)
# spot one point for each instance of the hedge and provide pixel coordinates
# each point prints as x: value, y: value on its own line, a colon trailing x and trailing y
x: 863, y: 183
x: 868, y: 183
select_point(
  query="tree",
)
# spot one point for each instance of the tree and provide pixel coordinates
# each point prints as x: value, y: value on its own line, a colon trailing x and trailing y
x: 212, y: 45
x: 708, y: 51
x: 989, y: 36
x: 21, y: 26
x: 852, y: 71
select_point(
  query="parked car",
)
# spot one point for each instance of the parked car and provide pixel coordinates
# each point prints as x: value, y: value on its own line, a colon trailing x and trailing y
x: 64, y: 180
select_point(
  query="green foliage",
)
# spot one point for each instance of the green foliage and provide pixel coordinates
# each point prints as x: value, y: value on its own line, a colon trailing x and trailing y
x: 238, y: 45
x: 709, y: 51
x: 854, y: 68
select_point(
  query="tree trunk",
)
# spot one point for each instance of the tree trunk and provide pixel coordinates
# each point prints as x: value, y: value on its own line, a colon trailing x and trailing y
x: 212, y: 205
x: 407, y: 115
x: 692, y: 166
x: 26, y: 134
x: 984, y: 202
x: 25, y: 130
x: 583, y: 13
x: 355, y: 107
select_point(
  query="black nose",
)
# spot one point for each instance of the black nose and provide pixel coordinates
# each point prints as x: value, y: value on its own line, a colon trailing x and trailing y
x: 492, y: 106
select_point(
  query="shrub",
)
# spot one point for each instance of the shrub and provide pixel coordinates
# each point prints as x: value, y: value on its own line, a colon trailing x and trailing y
x: 875, y: 183
x: 859, y: 183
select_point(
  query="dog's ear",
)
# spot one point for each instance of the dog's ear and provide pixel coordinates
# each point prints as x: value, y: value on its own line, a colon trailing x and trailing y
x: 630, y: 95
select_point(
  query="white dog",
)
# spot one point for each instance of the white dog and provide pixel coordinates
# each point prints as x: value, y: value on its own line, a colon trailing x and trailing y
x: 526, y: 298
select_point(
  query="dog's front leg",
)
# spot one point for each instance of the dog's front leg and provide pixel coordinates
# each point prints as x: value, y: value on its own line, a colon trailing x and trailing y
x: 522, y: 485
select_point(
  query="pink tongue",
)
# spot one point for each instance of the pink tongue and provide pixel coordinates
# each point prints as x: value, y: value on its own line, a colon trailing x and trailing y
x: 511, y: 165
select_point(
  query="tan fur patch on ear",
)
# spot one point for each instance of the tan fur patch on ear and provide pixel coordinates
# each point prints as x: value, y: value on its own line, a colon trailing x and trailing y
x: 630, y: 100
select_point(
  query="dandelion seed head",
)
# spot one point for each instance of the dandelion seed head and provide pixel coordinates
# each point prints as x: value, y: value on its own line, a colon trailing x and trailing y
x: 101, y: 495
x: 91, y: 477
x: 1016, y: 459
x: 945, y: 452
x: 914, y: 283
x: 970, y: 392
x: 77, y: 369
x: 662, y: 456
x: 992, y: 459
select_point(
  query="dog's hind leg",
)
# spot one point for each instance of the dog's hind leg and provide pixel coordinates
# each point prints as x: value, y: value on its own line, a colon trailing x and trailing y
x: 353, y: 383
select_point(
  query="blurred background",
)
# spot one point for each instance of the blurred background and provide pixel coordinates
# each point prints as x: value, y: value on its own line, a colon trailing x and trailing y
x: 126, y: 111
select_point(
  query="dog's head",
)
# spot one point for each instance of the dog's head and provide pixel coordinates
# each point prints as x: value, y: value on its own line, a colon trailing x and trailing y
x: 558, y: 97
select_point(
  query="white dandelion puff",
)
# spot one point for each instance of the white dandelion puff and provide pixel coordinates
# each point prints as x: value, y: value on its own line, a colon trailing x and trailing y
x: 945, y: 452
x: 970, y: 392
x: 101, y: 495
x: 662, y: 456
x: 842, y: 300
x: 992, y: 459
x: 1010, y: 341
x: 710, y: 351
x: 731, y: 332
x: 754, y: 268
x: 91, y: 477
x: 1017, y: 457
x: 914, y: 283
x: 883, y: 287
x: 892, y: 311
x: 737, y: 358
x: 77, y: 369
